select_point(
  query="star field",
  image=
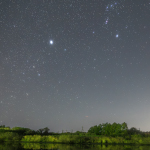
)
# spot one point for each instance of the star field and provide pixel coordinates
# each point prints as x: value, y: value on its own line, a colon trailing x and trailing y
x: 67, y: 64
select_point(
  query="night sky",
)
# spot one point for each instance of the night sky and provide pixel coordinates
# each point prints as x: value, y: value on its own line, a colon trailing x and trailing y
x: 65, y: 64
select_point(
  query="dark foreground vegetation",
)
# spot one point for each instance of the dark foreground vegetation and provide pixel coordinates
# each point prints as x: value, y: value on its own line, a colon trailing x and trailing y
x: 54, y: 146
x: 102, y: 134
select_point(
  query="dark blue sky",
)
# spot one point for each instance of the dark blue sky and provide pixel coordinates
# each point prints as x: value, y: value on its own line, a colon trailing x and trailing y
x: 65, y: 64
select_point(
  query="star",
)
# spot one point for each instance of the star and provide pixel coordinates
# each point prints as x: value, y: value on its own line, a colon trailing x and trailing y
x: 64, y: 60
x: 51, y: 42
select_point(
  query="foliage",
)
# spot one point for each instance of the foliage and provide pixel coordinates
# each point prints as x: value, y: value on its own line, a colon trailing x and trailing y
x: 105, y: 133
x: 39, y: 146
x: 9, y: 136
x: 30, y: 138
x: 43, y: 131
x: 109, y: 129
x: 38, y: 138
x: 133, y: 131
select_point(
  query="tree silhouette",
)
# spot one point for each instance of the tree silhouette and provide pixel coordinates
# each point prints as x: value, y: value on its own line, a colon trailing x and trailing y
x: 43, y: 131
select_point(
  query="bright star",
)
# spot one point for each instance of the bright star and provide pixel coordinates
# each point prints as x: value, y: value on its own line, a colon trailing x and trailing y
x: 51, y: 42
x: 117, y: 35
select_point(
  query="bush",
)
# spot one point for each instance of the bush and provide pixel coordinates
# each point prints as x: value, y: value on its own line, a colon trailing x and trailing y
x: 31, y: 138
x: 9, y: 136
x: 49, y: 139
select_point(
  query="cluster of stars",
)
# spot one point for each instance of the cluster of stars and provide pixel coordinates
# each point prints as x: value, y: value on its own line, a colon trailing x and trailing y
x: 112, y: 10
x: 73, y: 60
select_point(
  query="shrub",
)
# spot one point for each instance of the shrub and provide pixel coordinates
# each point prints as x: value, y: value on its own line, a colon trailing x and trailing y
x: 31, y: 138
x: 9, y: 136
x: 49, y: 139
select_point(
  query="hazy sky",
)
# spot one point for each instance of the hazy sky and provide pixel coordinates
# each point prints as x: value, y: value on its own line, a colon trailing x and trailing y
x: 65, y: 64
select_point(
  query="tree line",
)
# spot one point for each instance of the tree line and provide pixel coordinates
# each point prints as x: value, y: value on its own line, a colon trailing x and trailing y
x: 25, y: 131
x: 106, y: 129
